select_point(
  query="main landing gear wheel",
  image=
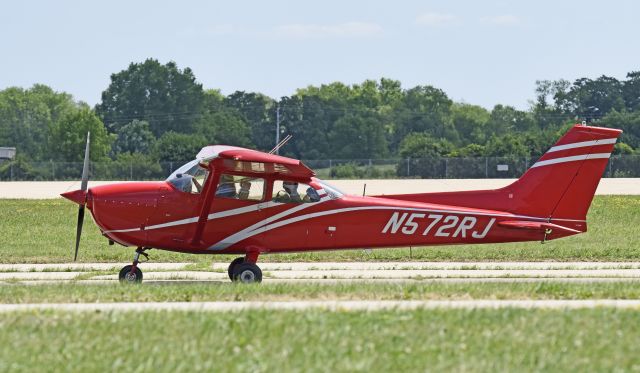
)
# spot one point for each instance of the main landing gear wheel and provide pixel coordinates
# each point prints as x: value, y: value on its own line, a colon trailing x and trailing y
x: 127, y: 276
x: 247, y: 273
x: 233, y: 264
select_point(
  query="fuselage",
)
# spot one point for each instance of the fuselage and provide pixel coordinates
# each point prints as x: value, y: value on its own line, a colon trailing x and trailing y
x: 236, y: 200
x: 156, y: 214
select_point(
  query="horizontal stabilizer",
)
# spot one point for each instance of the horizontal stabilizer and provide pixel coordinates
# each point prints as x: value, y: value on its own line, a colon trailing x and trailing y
x: 535, y: 226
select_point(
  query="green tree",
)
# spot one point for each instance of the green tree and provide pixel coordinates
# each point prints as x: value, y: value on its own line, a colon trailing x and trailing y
x: 470, y: 122
x: 424, y: 109
x: 70, y: 136
x: 27, y: 118
x: 631, y: 91
x: 134, y: 137
x: 508, y: 119
x: 391, y: 93
x: 507, y: 145
x: 426, y: 156
x: 309, y: 120
x: 470, y: 150
x: 357, y: 136
x: 547, y: 109
x: 136, y: 166
x: 592, y: 99
x: 628, y: 122
x: 178, y: 147
x: 167, y: 97
x: 224, y: 127
x: 422, y: 145
x: 258, y: 112
x: 622, y: 148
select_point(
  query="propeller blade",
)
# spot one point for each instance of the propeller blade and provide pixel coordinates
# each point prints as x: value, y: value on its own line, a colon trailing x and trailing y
x: 83, y: 187
x: 85, y: 166
x: 79, y: 230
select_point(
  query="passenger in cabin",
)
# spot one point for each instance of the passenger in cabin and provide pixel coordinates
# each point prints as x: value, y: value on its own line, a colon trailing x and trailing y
x: 226, y: 187
x: 245, y: 187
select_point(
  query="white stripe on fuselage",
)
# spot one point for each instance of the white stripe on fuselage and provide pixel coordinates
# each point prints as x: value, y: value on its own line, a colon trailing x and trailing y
x: 215, y: 215
x: 252, y: 231
x: 256, y: 228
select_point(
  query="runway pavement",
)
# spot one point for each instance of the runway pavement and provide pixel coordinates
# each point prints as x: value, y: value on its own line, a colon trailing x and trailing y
x: 155, y: 273
x: 327, y: 273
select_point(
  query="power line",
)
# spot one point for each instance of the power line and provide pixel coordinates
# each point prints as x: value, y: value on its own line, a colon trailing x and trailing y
x: 157, y: 117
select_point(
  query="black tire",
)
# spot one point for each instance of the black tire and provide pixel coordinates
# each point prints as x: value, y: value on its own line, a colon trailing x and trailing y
x: 233, y: 264
x: 247, y: 273
x: 126, y: 277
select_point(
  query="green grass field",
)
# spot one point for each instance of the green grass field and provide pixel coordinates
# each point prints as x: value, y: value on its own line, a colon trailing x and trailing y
x: 386, y: 341
x: 176, y: 292
x: 602, y: 339
x: 43, y: 231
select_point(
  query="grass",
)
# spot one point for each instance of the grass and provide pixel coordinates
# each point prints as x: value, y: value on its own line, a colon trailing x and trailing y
x: 80, y: 293
x: 43, y: 231
x: 285, y: 341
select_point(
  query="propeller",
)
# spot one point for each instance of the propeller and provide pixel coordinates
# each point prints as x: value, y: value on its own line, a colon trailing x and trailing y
x: 83, y: 188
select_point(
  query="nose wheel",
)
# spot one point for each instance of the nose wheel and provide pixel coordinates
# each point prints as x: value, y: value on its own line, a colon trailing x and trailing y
x: 243, y: 271
x: 131, y: 274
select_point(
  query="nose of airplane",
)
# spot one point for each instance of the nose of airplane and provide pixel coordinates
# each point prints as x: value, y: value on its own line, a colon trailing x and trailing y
x: 77, y: 196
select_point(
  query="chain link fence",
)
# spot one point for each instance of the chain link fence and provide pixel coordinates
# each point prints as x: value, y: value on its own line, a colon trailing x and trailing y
x: 451, y: 168
x: 427, y: 168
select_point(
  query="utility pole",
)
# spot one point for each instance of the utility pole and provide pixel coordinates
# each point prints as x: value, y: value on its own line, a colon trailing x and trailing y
x: 277, y: 126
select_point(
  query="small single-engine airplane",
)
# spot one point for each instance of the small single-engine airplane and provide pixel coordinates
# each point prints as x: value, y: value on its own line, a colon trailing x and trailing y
x: 231, y: 200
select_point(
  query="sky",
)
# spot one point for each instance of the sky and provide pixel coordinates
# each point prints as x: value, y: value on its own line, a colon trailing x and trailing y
x: 478, y: 52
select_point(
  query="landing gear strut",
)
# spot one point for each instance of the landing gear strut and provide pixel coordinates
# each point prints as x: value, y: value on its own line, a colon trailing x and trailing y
x: 245, y: 270
x: 131, y: 274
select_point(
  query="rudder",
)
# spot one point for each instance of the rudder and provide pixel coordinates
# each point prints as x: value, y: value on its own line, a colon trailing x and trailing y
x: 561, y: 184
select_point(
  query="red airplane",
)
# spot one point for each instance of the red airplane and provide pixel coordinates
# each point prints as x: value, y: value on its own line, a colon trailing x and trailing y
x: 231, y: 200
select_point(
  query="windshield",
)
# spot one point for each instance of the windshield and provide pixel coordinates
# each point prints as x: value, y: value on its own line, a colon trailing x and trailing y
x: 189, y: 178
x: 333, y: 192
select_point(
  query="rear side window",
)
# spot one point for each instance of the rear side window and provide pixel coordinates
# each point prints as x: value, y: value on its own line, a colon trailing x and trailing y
x: 240, y: 187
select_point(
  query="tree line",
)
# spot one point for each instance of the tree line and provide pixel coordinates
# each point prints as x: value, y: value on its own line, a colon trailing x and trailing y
x: 153, y: 112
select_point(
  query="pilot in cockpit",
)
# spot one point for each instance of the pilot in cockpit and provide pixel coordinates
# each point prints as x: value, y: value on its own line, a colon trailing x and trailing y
x: 291, y: 187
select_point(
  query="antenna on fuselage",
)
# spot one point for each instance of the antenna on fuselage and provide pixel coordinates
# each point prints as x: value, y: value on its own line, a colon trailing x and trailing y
x: 280, y: 144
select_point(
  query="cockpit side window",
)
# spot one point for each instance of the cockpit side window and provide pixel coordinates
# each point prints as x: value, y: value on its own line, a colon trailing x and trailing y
x: 190, y: 178
x: 240, y: 187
